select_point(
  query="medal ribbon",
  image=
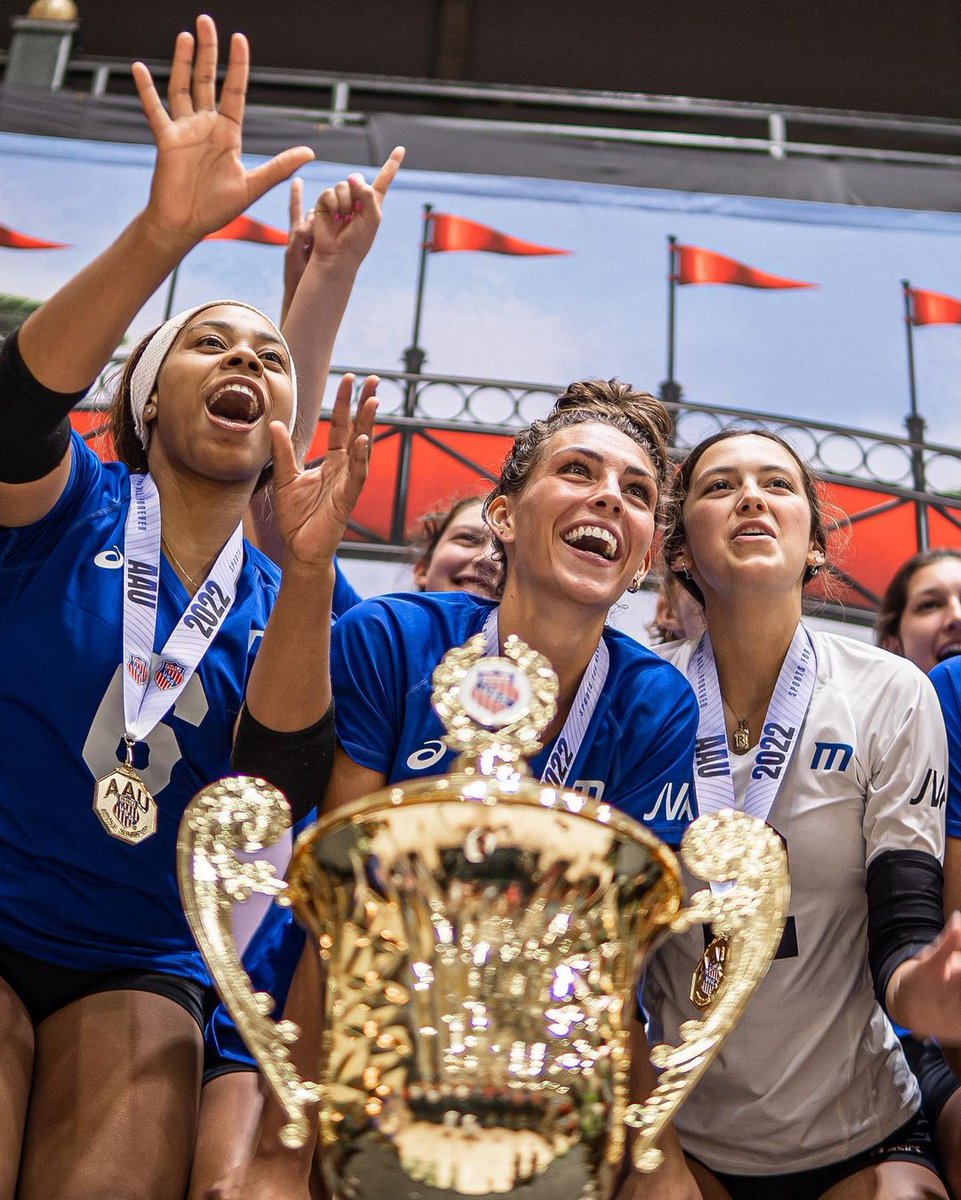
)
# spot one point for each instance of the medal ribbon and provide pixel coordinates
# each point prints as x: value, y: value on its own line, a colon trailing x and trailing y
x: 779, y: 736
x: 151, y: 686
x: 568, y: 742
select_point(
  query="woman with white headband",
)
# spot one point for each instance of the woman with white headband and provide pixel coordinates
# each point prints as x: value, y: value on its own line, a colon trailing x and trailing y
x: 135, y: 641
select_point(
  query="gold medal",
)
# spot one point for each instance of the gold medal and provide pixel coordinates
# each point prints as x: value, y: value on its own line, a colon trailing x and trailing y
x: 124, y: 805
x: 708, y: 978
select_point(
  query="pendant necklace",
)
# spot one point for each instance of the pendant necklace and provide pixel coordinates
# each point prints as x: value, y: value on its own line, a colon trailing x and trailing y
x: 741, y: 737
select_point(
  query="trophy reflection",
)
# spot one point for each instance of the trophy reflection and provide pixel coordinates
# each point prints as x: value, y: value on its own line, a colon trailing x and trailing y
x: 481, y: 936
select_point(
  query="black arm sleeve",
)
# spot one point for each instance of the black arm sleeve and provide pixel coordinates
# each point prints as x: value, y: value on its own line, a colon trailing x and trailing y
x: 905, y: 910
x: 34, y: 429
x: 298, y: 763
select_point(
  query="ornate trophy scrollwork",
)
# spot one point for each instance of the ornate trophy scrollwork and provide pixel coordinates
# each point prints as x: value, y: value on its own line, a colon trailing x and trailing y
x: 749, y: 918
x: 481, y: 936
x: 241, y: 814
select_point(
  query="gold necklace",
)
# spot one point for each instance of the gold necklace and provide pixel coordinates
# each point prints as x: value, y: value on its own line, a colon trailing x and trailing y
x: 179, y: 565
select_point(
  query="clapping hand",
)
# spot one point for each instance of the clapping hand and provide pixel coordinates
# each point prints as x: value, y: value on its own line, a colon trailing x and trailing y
x: 199, y: 181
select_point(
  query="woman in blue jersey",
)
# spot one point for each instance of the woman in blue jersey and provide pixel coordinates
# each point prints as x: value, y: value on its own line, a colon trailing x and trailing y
x: 131, y: 611
x: 454, y: 553
x: 573, y: 517
x: 840, y: 747
x: 920, y: 619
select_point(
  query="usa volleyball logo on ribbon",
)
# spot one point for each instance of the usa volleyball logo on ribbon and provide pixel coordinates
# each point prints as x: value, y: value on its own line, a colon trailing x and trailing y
x: 169, y: 675
x: 138, y: 668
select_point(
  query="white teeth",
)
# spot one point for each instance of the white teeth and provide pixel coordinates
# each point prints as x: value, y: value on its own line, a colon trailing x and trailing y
x: 593, y: 531
x: 237, y: 387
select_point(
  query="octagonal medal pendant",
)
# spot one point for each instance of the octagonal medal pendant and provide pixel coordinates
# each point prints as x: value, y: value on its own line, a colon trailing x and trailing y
x: 126, y: 809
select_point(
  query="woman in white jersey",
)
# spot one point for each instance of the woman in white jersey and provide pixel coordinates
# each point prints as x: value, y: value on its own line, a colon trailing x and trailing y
x: 841, y: 749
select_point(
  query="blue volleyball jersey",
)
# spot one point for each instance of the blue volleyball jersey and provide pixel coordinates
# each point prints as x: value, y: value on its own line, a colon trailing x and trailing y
x: 636, y: 754
x: 345, y: 594
x: 70, y: 893
x: 946, y: 678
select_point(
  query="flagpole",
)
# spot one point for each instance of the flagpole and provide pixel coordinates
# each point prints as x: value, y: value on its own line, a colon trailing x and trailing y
x: 915, y: 427
x: 670, y: 389
x: 169, y: 307
x: 414, y: 358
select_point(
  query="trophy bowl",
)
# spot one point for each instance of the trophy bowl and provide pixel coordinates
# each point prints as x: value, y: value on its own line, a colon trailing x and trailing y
x: 480, y: 937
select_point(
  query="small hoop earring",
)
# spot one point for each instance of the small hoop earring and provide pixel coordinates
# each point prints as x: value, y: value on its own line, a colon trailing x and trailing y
x: 635, y: 585
x: 813, y: 570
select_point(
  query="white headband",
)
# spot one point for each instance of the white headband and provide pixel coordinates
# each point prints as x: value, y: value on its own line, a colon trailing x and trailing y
x: 149, y: 364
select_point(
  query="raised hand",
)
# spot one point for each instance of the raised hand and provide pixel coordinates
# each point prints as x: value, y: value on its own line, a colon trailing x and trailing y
x: 342, y: 224
x: 312, y: 507
x: 347, y: 215
x: 924, y: 994
x: 300, y: 242
x: 199, y: 181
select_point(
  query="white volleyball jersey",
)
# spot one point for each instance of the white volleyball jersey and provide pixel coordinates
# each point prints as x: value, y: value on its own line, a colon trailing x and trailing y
x: 814, y: 1072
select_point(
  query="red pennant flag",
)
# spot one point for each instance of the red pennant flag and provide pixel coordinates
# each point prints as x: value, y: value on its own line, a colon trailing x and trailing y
x: 22, y: 241
x: 246, y: 229
x: 933, y: 308
x: 695, y: 265
x: 457, y: 233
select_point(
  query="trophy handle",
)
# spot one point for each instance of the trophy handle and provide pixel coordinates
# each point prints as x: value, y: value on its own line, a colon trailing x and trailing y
x: 241, y: 814
x: 724, y: 845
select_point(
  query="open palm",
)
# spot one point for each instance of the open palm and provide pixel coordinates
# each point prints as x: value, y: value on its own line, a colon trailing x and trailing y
x: 200, y: 182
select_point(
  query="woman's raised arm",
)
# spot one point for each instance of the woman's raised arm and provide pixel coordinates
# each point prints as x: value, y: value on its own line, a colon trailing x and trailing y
x: 199, y: 184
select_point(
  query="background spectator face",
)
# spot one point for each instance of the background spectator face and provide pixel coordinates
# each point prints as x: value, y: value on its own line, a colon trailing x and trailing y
x: 922, y: 609
x: 459, y: 558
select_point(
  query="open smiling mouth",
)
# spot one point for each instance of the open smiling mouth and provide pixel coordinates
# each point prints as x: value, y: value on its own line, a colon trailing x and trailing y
x: 236, y: 404
x: 593, y: 540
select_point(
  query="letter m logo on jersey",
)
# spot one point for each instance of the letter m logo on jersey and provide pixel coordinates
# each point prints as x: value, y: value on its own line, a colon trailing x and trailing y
x: 831, y: 756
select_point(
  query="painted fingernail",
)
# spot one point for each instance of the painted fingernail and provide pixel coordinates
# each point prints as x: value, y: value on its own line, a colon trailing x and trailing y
x: 358, y: 207
x: 337, y: 216
x: 355, y: 179
x: 348, y: 218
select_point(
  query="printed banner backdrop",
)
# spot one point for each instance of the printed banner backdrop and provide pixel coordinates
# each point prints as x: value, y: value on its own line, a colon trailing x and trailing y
x: 834, y: 353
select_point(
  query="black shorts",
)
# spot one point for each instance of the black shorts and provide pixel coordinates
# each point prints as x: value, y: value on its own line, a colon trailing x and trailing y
x: 911, y: 1143
x: 937, y: 1081
x: 43, y: 988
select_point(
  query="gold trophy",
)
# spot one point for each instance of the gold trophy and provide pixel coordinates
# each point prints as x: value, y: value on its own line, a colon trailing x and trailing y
x: 481, y: 937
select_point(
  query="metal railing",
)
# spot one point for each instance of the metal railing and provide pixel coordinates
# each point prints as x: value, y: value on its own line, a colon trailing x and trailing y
x: 343, y: 98
x: 880, y: 463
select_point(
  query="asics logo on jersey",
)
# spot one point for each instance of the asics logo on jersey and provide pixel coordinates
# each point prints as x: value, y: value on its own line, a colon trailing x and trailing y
x: 110, y: 559
x: 710, y: 756
x: 207, y: 609
x: 670, y: 806
x: 831, y: 755
x: 142, y: 588
x: 934, y: 782
x: 429, y: 754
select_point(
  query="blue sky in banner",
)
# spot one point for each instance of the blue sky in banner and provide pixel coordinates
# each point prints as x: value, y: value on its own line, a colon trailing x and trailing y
x: 835, y: 353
